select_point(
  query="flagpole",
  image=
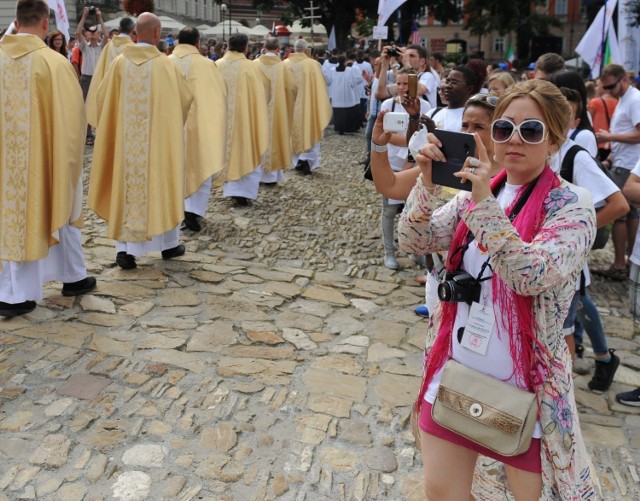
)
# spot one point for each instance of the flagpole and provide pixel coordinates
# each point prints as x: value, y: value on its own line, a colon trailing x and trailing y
x: 604, y: 37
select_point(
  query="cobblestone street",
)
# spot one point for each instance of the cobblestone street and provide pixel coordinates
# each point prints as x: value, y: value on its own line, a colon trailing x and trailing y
x: 278, y: 359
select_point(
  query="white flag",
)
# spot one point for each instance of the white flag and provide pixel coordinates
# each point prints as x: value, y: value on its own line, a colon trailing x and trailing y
x: 9, y: 31
x: 62, y: 21
x: 386, y: 8
x: 332, y: 39
x: 628, y: 35
x: 591, y: 47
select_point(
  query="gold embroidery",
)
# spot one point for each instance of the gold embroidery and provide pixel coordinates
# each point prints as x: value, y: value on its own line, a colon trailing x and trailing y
x: 296, y: 129
x: 136, y: 132
x: 16, y: 109
x: 230, y: 75
x: 271, y: 72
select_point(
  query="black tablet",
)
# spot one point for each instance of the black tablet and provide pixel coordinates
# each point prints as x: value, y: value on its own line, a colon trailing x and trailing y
x: 456, y: 146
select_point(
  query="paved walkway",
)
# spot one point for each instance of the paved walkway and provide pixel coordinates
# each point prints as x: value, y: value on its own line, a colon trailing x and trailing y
x: 277, y: 359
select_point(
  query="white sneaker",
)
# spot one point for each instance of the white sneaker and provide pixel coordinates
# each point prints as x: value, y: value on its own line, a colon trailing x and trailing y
x: 390, y: 262
x: 582, y: 365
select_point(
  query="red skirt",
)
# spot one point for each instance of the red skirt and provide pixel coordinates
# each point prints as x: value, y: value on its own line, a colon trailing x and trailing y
x: 527, y: 461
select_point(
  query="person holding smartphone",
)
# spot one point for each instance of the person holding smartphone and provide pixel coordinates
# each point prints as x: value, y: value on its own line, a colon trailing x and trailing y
x: 397, y: 155
x: 521, y: 237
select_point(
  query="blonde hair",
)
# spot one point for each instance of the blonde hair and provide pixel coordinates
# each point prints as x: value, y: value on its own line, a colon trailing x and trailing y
x: 554, y: 107
x: 504, y: 76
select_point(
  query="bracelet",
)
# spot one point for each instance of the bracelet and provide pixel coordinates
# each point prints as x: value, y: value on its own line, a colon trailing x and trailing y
x: 378, y: 148
x: 414, y: 117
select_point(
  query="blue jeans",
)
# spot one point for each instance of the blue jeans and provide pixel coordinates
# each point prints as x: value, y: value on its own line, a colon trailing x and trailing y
x: 583, y: 308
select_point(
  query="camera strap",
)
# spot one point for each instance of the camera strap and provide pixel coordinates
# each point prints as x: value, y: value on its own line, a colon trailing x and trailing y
x: 519, y: 205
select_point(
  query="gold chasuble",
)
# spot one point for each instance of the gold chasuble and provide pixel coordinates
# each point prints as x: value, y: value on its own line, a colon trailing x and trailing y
x: 206, y: 124
x: 42, y: 130
x: 247, y: 134
x: 138, y: 174
x: 312, y: 109
x: 111, y: 50
x: 279, y: 92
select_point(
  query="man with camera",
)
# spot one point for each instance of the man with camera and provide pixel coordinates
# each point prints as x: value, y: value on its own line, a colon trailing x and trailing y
x: 91, y: 43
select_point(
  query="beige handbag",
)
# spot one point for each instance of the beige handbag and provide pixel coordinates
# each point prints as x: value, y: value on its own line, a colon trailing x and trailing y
x: 485, y: 410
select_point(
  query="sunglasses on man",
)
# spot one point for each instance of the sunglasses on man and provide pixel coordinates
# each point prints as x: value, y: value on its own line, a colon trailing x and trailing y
x: 613, y: 85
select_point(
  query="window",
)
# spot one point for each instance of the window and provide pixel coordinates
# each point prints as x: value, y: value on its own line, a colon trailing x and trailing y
x: 561, y: 7
x: 498, y: 45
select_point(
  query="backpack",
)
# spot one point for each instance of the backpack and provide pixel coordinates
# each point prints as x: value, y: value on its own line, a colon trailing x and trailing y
x: 566, y: 171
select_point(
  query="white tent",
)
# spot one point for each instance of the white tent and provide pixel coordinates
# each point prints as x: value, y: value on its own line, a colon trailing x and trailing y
x: 260, y: 31
x: 114, y: 23
x: 203, y: 27
x: 168, y: 23
x: 297, y: 29
x: 225, y: 30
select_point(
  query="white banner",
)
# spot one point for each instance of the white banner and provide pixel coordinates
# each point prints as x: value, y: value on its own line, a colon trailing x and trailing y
x: 62, y: 21
x: 628, y: 37
x: 386, y: 8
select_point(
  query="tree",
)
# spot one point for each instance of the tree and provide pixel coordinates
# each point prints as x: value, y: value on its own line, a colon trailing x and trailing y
x: 506, y: 16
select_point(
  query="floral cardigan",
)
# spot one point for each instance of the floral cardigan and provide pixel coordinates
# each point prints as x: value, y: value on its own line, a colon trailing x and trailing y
x: 547, y: 269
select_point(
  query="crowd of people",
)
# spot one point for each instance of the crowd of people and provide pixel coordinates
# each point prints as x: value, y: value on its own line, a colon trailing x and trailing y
x: 506, y: 286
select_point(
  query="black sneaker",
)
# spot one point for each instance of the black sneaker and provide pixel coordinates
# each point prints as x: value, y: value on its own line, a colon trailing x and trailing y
x: 631, y: 398
x: 80, y: 287
x: 579, y: 351
x: 603, y: 375
x: 125, y: 261
x: 241, y: 201
x: 173, y: 252
x: 192, y: 221
x: 10, y: 310
x: 303, y: 167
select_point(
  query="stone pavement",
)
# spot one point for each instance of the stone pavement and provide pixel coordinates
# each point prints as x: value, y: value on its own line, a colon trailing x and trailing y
x: 277, y: 359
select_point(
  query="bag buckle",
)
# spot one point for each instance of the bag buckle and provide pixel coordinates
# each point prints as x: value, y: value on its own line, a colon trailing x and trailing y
x: 475, y: 410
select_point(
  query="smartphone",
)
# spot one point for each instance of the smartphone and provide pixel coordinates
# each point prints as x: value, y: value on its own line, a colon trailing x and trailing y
x: 456, y: 146
x: 395, y: 121
x: 413, y: 86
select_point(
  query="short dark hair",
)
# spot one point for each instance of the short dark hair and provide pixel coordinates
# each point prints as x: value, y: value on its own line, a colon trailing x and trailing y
x: 238, y: 42
x: 438, y: 57
x: 127, y: 25
x: 422, y: 52
x: 573, y: 96
x: 613, y: 70
x: 189, y: 35
x: 550, y: 62
x: 271, y: 43
x: 31, y: 12
x: 470, y: 77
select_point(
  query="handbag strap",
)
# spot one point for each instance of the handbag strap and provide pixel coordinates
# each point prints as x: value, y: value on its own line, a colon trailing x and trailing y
x: 606, y: 111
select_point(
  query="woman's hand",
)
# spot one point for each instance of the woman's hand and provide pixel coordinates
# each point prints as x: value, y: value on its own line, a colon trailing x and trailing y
x: 426, y: 155
x: 379, y: 136
x: 477, y: 171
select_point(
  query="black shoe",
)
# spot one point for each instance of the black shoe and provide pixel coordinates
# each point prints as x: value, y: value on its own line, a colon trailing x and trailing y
x: 303, y: 167
x: 80, y: 287
x: 175, y: 252
x: 631, y: 398
x: 241, y: 201
x: 274, y: 183
x: 579, y: 351
x: 191, y: 221
x: 126, y: 261
x: 9, y: 310
x: 603, y: 375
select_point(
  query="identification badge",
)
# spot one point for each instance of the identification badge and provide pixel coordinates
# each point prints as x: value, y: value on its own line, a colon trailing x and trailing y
x: 479, y: 328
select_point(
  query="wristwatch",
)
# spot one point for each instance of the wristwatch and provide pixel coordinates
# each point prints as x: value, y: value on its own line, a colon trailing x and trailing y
x: 378, y: 148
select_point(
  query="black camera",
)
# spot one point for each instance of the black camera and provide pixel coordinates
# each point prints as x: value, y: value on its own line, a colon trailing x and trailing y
x: 393, y: 51
x: 459, y: 287
x: 92, y: 9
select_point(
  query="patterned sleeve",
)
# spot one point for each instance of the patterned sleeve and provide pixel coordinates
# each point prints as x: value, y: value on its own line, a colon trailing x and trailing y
x: 428, y: 221
x: 556, y: 252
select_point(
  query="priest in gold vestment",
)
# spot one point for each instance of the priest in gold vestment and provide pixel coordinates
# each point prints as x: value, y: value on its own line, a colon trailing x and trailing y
x: 206, y: 124
x: 41, y: 153
x: 279, y: 92
x: 138, y: 174
x: 311, y: 110
x: 247, y: 126
x: 110, y: 51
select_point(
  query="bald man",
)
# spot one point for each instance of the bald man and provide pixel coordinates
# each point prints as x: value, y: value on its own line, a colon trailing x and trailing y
x: 138, y: 174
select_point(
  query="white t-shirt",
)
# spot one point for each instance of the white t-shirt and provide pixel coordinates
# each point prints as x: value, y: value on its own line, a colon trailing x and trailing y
x: 398, y: 154
x: 586, y: 174
x: 587, y: 140
x: 449, y: 119
x: 497, y: 362
x: 624, y: 120
x: 431, y: 80
x: 635, y: 255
